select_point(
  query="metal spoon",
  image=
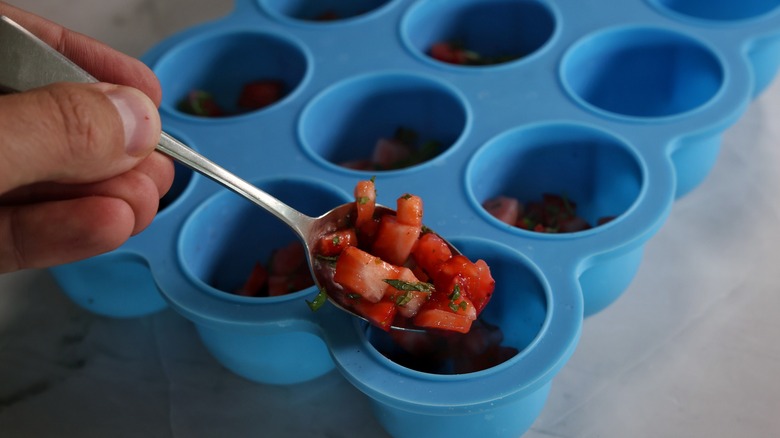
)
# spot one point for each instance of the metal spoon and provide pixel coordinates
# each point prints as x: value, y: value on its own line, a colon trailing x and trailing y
x: 26, y: 62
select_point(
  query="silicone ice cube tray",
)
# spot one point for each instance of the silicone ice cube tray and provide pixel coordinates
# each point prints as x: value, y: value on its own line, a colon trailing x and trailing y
x: 618, y: 105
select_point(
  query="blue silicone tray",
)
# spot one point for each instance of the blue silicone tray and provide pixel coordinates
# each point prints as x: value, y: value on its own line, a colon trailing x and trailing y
x: 619, y: 105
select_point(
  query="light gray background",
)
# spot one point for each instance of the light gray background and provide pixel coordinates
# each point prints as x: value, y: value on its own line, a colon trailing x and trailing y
x: 691, y: 349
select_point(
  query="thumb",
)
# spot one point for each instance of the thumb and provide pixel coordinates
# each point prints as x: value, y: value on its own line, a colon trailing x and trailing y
x: 74, y: 133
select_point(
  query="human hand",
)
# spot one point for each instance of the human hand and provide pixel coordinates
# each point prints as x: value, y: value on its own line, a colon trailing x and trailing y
x: 78, y: 175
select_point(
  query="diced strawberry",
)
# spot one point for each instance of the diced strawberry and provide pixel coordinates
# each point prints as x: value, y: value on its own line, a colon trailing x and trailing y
x: 287, y: 259
x: 409, y: 210
x: 381, y: 314
x: 408, y: 302
x: 362, y: 273
x: 605, y: 220
x: 394, y: 240
x: 259, y: 94
x: 201, y: 103
x: 557, y: 209
x: 389, y: 153
x: 474, y: 277
x: 255, y: 283
x: 573, y: 224
x: 454, y: 267
x: 328, y: 15
x: 365, y: 200
x: 480, y: 289
x: 431, y: 251
x: 278, y: 285
x: 363, y: 164
x: 504, y: 208
x: 333, y: 244
x: 445, y: 314
x: 447, y: 52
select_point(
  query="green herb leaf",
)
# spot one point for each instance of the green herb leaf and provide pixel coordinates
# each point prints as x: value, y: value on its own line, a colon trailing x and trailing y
x: 318, y: 301
x: 328, y: 259
x: 455, y: 292
x: 409, y: 286
x: 403, y: 299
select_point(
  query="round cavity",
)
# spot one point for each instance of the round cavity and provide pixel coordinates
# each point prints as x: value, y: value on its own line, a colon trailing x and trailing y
x: 478, y: 32
x: 719, y: 10
x: 508, y: 324
x: 230, y: 74
x: 566, y: 177
x: 642, y: 72
x: 321, y: 11
x: 383, y: 122
x: 227, y: 236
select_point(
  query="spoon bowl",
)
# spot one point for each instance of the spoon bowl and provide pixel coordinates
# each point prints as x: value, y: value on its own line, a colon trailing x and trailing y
x: 26, y: 62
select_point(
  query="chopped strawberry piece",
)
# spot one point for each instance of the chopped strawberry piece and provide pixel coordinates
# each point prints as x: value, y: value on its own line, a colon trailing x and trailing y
x: 605, y: 220
x: 573, y: 224
x: 361, y: 273
x: 394, y: 240
x: 480, y: 288
x: 365, y: 200
x: 445, y: 314
x: 255, y: 283
x: 389, y: 153
x: 288, y: 259
x: 201, y: 103
x: 328, y: 15
x: 447, y: 52
x: 505, y: 209
x: 381, y: 314
x: 408, y: 302
x: 409, y: 210
x: 363, y: 164
x: 334, y: 243
x: 260, y: 94
x: 430, y: 252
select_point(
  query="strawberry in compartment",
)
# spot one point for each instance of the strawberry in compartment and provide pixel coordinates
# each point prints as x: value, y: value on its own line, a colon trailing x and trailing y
x: 389, y: 153
x: 504, y: 208
x: 260, y: 94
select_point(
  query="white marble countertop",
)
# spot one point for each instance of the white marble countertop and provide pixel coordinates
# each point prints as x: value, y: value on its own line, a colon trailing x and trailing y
x: 690, y: 350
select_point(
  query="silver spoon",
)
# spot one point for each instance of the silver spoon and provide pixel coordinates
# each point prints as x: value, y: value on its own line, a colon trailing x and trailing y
x: 26, y: 62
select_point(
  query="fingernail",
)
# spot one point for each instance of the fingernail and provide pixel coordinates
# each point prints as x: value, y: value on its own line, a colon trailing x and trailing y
x: 139, y: 117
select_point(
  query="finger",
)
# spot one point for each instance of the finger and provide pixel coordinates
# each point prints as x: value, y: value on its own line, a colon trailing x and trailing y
x: 43, y: 235
x: 74, y: 133
x: 158, y: 167
x: 141, y: 188
x: 103, y: 62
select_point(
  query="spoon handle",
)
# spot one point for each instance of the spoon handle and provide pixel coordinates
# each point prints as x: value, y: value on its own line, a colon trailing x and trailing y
x: 26, y: 62
x: 197, y: 162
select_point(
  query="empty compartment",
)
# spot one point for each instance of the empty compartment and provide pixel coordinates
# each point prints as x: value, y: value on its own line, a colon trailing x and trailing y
x: 642, y: 73
x: 719, y: 10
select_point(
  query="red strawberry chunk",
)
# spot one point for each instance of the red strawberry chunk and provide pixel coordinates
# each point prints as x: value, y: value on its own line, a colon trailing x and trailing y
x: 394, y: 240
x: 409, y: 210
x: 504, y: 208
x: 260, y: 94
x: 361, y: 273
x: 389, y: 153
